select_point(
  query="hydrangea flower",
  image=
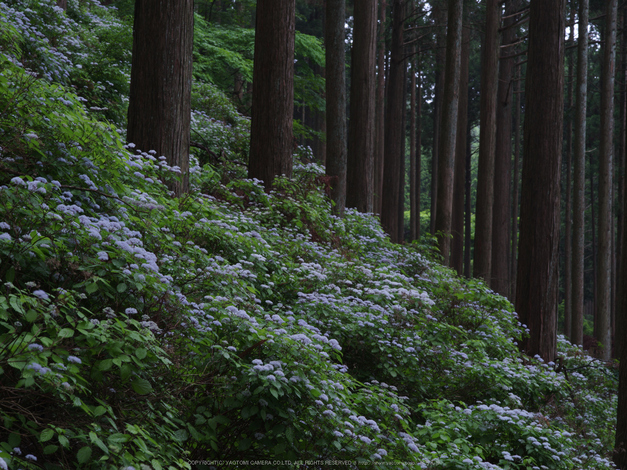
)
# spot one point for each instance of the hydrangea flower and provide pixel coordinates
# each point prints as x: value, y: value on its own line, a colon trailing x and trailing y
x: 41, y: 294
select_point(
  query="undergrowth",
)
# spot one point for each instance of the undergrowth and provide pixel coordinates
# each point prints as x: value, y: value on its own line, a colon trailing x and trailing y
x: 142, y: 331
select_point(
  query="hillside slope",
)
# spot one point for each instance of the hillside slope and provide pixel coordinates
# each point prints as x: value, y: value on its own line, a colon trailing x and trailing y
x: 142, y: 331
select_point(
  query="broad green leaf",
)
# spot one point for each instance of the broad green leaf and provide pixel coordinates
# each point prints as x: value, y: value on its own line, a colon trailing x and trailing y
x: 84, y: 454
x: 46, y: 435
x: 141, y: 386
x: 66, y: 333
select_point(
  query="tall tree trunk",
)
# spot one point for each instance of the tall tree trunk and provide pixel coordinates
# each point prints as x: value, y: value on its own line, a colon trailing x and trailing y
x: 413, y: 210
x: 467, y: 204
x: 487, y: 143
x: 579, y: 177
x: 536, y: 289
x: 418, y: 155
x: 604, y: 266
x: 159, y: 111
x: 380, y: 111
x: 62, y: 4
x: 394, y: 133
x: 457, y: 252
x: 620, y: 455
x: 360, y: 172
x: 271, y: 137
x: 568, y: 248
x: 401, y: 177
x: 334, y: 38
x: 500, y: 272
x: 618, y: 336
x: 593, y: 224
x: 448, y: 131
x: 516, y: 190
x: 439, y: 7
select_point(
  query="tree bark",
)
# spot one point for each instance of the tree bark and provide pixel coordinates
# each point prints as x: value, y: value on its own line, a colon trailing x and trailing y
x: 539, y: 215
x: 334, y: 37
x: 457, y: 252
x: 380, y: 111
x: 516, y: 190
x: 440, y: 58
x: 418, y: 156
x: 159, y: 112
x: 413, y: 210
x: 394, y: 133
x: 271, y: 137
x: 487, y: 144
x: 620, y: 455
x: 604, y: 265
x: 500, y: 272
x: 568, y: 236
x: 448, y: 132
x: 618, y: 336
x: 360, y: 171
x: 579, y: 177
x: 62, y: 4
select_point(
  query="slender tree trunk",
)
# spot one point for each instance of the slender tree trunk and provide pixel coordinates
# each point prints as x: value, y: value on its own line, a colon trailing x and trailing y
x: 380, y: 111
x: 361, y: 130
x: 401, y: 193
x: 620, y: 455
x: 568, y: 249
x: 440, y: 58
x: 618, y: 335
x: 487, y: 143
x: 467, y: 205
x: 418, y: 155
x: 394, y: 133
x: 336, y: 101
x: 539, y: 215
x: 579, y: 177
x: 448, y: 133
x: 499, y: 280
x: 593, y: 224
x: 62, y: 4
x: 516, y: 190
x: 604, y: 272
x: 457, y: 252
x: 413, y: 209
x: 159, y: 112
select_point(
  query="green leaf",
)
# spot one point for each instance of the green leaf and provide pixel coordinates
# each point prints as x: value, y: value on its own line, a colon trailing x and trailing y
x: 66, y: 333
x: 31, y: 316
x: 51, y: 449
x: 122, y: 287
x: 91, y: 288
x: 64, y: 441
x: 156, y: 465
x: 16, y: 304
x: 105, y: 365
x: 46, y: 435
x: 100, y: 410
x: 93, y: 437
x: 84, y: 454
x: 141, y: 386
x: 118, y: 438
x: 125, y: 372
x: 141, y: 353
x: 11, y: 274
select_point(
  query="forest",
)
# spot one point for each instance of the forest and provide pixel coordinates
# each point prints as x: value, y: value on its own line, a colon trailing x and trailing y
x: 313, y: 234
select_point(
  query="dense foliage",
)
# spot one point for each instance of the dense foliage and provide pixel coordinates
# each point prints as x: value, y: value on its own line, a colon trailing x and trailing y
x: 142, y: 331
